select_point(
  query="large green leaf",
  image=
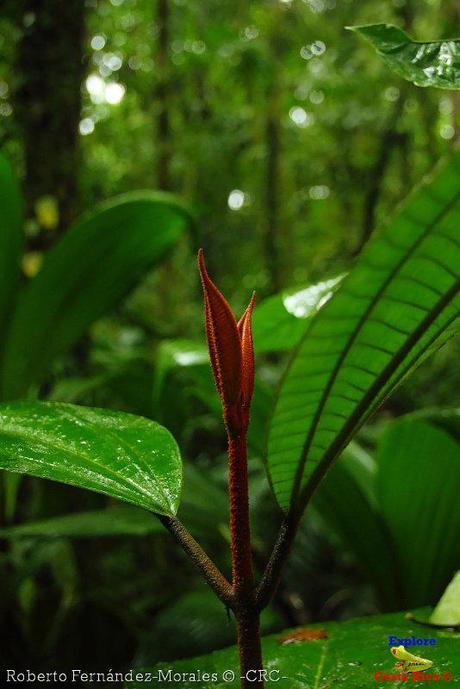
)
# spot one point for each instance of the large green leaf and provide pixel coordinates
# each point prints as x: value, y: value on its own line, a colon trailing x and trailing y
x: 114, y: 521
x: 120, y: 455
x: 428, y: 63
x: 10, y: 240
x: 349, y: 658
x: 345, y: 500
x: 96, y: 262
x: 399, y: 304
x: 203, y: 509
x: 418, y: 487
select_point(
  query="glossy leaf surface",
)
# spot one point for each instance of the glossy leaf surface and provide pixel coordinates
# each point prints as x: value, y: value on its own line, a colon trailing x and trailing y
x: 120, y: 455
x: 348, y: 657
x: 93, y: 266
x: 398, y: 305
x: 429, y: 63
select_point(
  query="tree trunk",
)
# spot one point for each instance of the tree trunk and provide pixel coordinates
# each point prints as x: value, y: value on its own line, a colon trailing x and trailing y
x: 48, y: 102
x: 162, y: 96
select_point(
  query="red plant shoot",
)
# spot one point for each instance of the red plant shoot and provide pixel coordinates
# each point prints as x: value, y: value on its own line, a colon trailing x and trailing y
x: 231, y: 353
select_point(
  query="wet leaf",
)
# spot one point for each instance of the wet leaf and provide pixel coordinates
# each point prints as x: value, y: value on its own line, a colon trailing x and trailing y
x: 348, y: 658
x: 424, y: 63
x: 120, y: 455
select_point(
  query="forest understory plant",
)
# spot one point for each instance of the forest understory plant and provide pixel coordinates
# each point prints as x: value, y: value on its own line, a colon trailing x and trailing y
x: 231, y: 353
x: 398, y: 304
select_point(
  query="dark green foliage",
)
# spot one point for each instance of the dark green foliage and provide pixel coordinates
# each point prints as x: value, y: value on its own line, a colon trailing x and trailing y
x: 320, y: 140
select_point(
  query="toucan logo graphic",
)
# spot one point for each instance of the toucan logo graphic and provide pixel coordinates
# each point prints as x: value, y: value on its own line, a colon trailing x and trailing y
x: 408, y: 662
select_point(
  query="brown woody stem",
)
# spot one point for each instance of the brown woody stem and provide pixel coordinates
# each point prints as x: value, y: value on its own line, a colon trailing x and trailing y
x: 272, y: 574
x: 210, y: 571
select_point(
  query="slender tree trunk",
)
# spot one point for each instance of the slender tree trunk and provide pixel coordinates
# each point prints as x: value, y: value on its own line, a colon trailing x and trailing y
x: 48, y: 101
x: 272, y: 137
x: 162, y: 97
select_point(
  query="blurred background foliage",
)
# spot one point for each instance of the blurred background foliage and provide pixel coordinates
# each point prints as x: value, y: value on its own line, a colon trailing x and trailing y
x: 291, y: 141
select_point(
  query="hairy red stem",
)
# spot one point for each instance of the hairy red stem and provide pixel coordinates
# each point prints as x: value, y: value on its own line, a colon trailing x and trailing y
x: 240, y: 533
x: 246, y: 612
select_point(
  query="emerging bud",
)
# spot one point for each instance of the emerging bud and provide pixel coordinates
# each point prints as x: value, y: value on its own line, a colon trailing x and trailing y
x: 231, y: 351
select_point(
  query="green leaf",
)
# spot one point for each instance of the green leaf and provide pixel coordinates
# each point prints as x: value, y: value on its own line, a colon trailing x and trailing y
x: 348, y: 658
x: 113, y: 521
x: 346, y: 502
x: 417, y: 486
x: 172, y: 354
x: 11, y: 238
x: 447, y: 611
x: 279, y: 321
x: 398, y: 305
x: 113, y: 453
x: 448, y: 419
x: 93, y: 266
x: 427, y: 63
x: 203, y: 509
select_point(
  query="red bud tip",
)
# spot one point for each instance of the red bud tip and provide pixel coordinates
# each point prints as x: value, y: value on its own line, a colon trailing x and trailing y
x: 223, y: 340
x: 247, y: 353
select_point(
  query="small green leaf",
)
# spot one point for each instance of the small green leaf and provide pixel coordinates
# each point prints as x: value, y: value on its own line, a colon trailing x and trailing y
x: 121, y: 455
x: 447, y: 611
x: 92, y: 267
x: 428, y: 63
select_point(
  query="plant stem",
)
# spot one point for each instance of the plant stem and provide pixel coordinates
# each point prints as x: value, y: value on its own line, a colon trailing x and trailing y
x: 210, y: 571
x: 246, y: 612
x: 240, y: 534
x: 250, y: 647
x: 272, y: 574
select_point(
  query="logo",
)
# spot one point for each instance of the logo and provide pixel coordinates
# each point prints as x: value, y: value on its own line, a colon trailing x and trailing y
x: 408, y: 662
x: 411, y: 668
